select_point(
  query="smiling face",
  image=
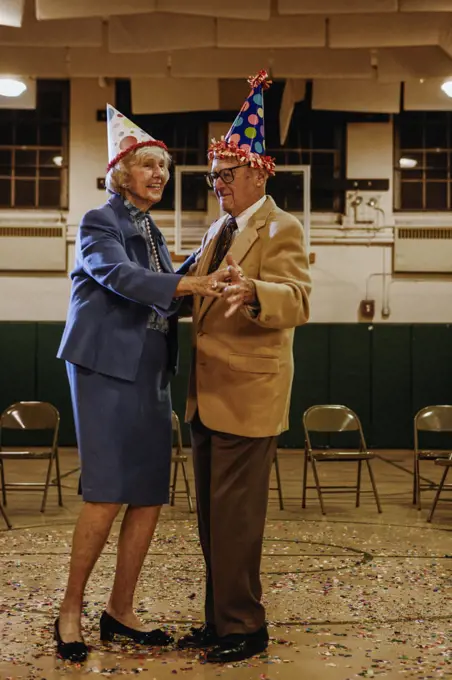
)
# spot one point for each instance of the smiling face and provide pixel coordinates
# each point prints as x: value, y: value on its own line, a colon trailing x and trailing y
x: 148, y: 173
x: 247, y: 187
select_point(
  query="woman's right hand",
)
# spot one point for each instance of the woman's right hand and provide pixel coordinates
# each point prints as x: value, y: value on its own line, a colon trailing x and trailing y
x: 206, y: 286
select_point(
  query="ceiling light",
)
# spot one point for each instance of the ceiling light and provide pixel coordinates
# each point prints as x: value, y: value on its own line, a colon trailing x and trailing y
x: 58, y: 160
x: 447, y: 88
x: 407, y: 163
x: 10, y: 87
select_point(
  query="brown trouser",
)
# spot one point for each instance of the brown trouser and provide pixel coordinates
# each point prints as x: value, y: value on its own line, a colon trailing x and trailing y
x: 232, y: 478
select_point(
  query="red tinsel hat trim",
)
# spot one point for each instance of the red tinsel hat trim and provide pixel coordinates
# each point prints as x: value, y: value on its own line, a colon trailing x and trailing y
x: 134, y: 147
x: 225, y: 149
x: 260, y: 78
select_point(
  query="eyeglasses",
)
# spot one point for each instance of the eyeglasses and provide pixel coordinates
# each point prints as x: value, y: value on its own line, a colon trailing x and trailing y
x: 226, y: 175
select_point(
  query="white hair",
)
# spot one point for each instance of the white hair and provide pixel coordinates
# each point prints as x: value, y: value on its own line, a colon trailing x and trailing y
x: 119, y: 175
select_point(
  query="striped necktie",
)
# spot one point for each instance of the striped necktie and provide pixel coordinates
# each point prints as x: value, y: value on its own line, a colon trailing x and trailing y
x: 223, y: 244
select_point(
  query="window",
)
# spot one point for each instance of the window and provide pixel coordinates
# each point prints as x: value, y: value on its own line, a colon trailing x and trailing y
x: 315, y: 138
x: 423, y: 160
x: 34, y: 150
x: 185, y: 135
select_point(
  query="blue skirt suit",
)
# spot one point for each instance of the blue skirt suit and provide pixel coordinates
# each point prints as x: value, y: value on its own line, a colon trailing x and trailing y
x: 118, y: 366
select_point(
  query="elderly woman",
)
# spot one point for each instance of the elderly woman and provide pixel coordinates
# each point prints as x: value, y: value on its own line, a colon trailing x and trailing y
x: 120, y: 345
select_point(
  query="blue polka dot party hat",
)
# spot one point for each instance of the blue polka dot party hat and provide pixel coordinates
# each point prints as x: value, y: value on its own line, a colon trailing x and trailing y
x: 245, y: 141
x: 124, y: 136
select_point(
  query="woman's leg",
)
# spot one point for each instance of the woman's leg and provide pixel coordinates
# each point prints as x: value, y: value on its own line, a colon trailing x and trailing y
x: 137, y: 529
x: 90, y: 534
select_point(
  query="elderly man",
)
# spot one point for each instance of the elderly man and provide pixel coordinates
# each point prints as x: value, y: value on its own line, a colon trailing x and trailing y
x: 241, y: 379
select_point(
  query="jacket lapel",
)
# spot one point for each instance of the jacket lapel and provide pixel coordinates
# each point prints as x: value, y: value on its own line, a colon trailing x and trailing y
x: 240, y: 247
x: 122, y: 213
x: 129, y: 231
x: 204, y: 262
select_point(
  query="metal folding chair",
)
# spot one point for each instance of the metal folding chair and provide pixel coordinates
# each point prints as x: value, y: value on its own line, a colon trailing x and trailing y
x: 5, y: 516
x: 179, y: 458
x: 31, y: 415
x: 429, y: 419
x: 278, y: 486
x: 328, y: 419
x: 446, y: 463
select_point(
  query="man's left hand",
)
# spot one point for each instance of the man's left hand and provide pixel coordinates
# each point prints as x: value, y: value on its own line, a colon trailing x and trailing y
x: 240, y: 291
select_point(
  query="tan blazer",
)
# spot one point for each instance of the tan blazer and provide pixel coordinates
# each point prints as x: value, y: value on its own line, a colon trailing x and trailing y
x: 242, y: 368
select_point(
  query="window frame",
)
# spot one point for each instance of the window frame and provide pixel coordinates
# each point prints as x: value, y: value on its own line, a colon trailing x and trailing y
x: 423, y: 174
x: 37, y: 173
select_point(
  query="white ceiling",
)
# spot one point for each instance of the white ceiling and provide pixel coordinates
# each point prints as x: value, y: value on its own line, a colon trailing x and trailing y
x: 387, y: 41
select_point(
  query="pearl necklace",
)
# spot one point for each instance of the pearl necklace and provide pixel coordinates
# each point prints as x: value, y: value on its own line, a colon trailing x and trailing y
x: 154, y: 250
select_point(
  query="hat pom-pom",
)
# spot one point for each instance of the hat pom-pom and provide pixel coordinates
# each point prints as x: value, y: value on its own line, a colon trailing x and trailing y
x: 260, y: 79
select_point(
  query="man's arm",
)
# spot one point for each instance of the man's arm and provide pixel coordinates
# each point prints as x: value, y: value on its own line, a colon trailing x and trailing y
x: 280, y: 295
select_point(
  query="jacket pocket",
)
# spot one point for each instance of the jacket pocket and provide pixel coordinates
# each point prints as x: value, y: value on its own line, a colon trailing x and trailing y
x: 250, y: 363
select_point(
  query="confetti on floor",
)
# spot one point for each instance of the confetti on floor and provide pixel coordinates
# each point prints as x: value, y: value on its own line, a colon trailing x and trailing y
x: 353, y: 595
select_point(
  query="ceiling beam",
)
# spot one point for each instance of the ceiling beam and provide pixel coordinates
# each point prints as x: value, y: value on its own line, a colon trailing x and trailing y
x: 254, y: 10
x: 287, y: 31
x: 356, y: 95
x: 232, y: 9
x: 282, y: 63
x: 410, y: 64
x: 60, y: 33
x: 445, y: 38
x: 80, y: 62
x: 374, y: 30
x: 330, y: 7
x: 71, y: 9
x: 425, y: 5
x: 322, y: 63
x: 153, y: 33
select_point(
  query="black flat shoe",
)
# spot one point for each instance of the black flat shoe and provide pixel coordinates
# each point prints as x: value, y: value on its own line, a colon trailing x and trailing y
x: 110, y: 627
x: 69, y: 651
x: 238, y: 647
x: 199, y: 638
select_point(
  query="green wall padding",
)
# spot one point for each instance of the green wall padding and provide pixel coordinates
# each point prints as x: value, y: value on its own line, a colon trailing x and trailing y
x: 432, y: 373
x: 18, y: 375
x: 51, y: 379
x: 310, y: 385
x: 17, y: 362
x: 384, y: 372
x: 391, y: 382
x: 349, y: 374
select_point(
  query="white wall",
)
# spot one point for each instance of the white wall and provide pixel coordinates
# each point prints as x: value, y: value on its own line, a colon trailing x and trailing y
x: 370, y: 156
x: 45, y: 297
x: 342, y: 274
x: 88, y: 154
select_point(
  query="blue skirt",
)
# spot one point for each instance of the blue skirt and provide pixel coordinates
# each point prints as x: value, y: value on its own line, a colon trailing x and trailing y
x: 124, y: 429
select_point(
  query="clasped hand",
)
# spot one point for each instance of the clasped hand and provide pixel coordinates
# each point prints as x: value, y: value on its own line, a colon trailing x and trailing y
x: 239, y: 290
x: 230, y: 284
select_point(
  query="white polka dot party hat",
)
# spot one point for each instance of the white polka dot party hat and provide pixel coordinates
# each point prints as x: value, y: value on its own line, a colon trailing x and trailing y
x: 246, y: 138
x: 124, y: 136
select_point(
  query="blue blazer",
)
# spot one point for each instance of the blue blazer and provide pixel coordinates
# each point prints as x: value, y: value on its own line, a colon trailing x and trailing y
x: 112, y: 291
